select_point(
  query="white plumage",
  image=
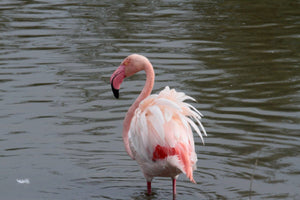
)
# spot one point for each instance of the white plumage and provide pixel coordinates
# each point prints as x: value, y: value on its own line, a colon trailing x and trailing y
x: 164, y: 120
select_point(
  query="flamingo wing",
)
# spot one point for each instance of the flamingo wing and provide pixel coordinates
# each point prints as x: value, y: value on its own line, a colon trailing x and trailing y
x: 161, y: 130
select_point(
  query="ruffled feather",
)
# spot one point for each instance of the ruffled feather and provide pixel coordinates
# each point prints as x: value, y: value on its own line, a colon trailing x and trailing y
x: 166, y: 120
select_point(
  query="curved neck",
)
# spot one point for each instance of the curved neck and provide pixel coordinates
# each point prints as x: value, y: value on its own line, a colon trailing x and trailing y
x: 147, y: 87
x: 144, y: 94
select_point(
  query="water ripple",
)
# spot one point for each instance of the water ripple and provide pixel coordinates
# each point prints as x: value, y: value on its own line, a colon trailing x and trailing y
x: 61, y: 128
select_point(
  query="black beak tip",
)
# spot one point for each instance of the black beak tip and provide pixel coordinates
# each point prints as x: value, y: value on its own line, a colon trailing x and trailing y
x: 115, y: 91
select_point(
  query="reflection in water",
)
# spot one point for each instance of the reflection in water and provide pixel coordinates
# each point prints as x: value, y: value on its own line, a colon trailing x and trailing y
x: 61, y: 127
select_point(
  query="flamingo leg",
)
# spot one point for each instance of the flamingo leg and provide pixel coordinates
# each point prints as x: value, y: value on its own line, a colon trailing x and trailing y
x: 149, y: 187
x: 174, y: 186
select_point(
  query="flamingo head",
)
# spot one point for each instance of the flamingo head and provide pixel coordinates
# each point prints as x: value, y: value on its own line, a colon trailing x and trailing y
x: 130, y: 65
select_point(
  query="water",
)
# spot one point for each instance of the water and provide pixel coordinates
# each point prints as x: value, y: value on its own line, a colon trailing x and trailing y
x: 61, y: 127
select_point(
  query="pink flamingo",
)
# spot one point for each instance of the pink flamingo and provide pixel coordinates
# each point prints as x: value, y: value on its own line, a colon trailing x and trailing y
x: 157, y: 128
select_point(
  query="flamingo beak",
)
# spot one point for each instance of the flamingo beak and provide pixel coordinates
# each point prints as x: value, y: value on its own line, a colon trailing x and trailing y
x: 116, y: 79
x: 115, y: 91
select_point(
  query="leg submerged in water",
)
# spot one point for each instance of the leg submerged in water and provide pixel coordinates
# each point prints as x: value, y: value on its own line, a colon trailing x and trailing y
x: 174, y: 186
x: 149, y: 188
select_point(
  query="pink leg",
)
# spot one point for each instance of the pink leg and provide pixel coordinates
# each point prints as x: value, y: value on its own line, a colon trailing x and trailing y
x: 174, y: 186
x: 149, y: 187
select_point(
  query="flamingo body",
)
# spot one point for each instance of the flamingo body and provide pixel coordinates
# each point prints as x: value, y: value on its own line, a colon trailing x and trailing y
x: 160, y: 135
x: 157, y: 129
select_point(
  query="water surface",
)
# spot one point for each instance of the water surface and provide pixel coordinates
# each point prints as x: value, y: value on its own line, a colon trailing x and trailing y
x: 61, y: 127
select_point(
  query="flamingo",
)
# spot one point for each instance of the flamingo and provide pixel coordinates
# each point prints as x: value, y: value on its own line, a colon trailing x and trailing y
x: 157, y: 129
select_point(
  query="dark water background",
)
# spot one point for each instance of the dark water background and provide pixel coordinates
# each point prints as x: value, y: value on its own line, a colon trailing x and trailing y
x: 61, y: 126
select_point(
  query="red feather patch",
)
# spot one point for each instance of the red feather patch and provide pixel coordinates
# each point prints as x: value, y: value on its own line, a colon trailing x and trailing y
x: 163, y: 152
